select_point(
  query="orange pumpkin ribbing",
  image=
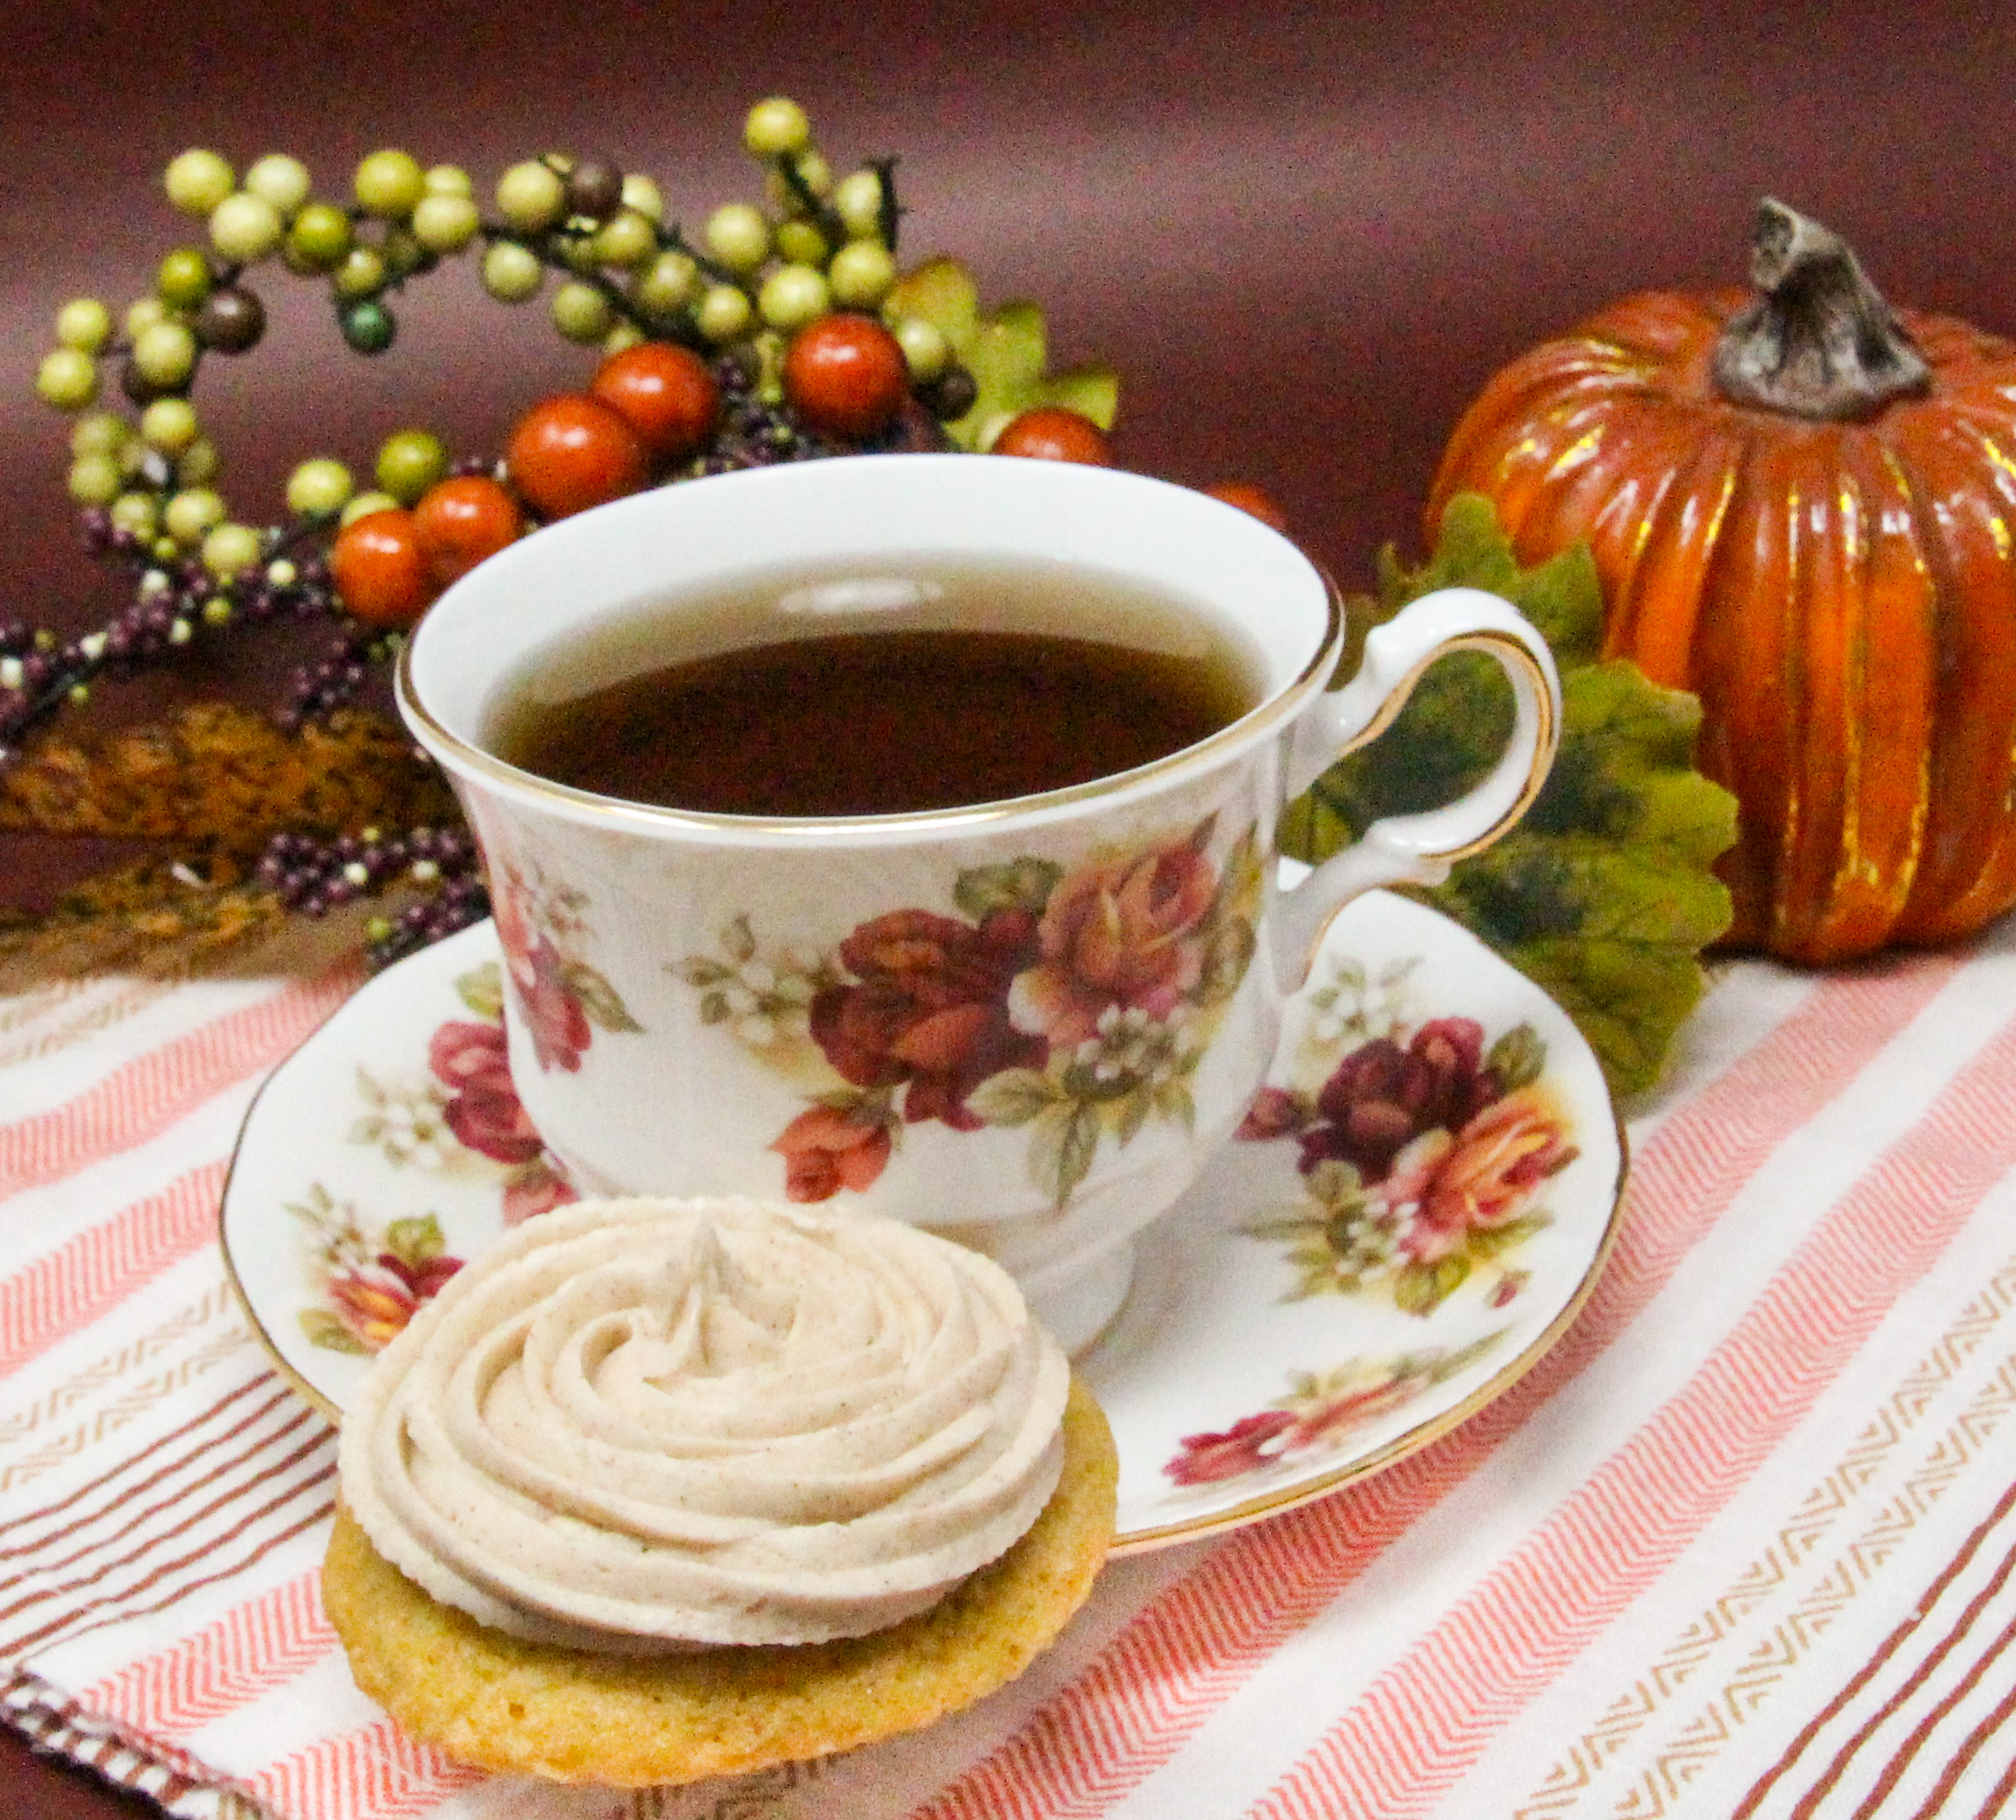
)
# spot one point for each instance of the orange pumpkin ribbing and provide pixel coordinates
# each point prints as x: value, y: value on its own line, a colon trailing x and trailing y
x: 1840, y: 595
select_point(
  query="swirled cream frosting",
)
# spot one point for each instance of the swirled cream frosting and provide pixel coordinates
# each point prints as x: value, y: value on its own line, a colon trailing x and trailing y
x: 640, y: 1424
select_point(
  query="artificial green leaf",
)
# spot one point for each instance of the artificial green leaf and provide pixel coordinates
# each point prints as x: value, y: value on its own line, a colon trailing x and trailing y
x: 1093, y: 392
x: 941, y: 291
x: 1006, y: 353
x: 1606, y: 893
x: 1561, y: 596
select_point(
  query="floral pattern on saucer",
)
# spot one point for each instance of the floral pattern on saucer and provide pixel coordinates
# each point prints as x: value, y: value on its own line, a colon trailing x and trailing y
x: 1232, y: 1394
x: 1321, y: 1415
x: 1424, y: 1146
x: 461, y: 1118
x: 372, y: 1281
x: 1076, y: 1004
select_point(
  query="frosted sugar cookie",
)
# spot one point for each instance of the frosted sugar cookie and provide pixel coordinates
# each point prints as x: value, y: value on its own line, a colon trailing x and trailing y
x: 657, y: 1490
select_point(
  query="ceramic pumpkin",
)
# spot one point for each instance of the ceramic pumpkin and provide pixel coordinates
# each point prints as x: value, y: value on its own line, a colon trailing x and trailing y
x: 1803, y: 508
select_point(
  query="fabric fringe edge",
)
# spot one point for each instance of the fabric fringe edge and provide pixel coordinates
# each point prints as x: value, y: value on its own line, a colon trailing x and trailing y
x: 177, y: 1782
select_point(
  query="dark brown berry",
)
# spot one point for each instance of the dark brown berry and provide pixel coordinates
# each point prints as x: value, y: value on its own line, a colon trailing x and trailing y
x: 594, y: 189
x: 231, y: 320
x: 950, y: 395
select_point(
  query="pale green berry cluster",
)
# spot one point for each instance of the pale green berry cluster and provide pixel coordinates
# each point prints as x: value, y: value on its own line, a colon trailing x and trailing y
x: 154, y: 474
x: 753, y: 275
x: 145, y: 477
x: 154, y: 479
x: 817, y: 244
x: 409, y: 462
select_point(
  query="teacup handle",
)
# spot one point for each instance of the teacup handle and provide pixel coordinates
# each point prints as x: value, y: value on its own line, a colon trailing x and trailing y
x: 1418, y: 850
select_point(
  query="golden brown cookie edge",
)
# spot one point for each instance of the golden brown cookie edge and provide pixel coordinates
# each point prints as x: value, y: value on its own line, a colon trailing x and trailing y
x: 634, y: 1721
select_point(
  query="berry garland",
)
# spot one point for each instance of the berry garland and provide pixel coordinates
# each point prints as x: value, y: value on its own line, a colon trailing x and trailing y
x: 769, y: 338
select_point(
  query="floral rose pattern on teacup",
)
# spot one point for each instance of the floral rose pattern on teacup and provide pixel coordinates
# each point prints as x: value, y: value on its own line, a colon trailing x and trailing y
x: 1122, y: 936
x: 920, y: 1008
x: 1076, y: 1003
x: 561, y: 998
x: 1424, y: 1150
x: 1323, y: 1413
x: 827, y: 1148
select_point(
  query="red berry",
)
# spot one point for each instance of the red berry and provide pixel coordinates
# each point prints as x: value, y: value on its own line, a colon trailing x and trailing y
x: 665, y: 394
x: 1249, y: 498
x: 570, y: 452
x: 461, y: 521
x: 1053, y: 433
x: 844, y: 375
x: 378, y: 571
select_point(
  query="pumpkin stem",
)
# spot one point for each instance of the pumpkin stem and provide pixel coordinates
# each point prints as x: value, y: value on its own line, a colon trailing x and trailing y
x: 1819, y: 342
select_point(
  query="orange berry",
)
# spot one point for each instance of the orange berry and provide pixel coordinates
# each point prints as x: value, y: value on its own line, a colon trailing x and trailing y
x: 378, y: 571
x: 570, y: 452
x: 1249, y: 498
x: 664, y: 393
x: 1053, y: 433
x: 844, y: 374
x: 461, y: 521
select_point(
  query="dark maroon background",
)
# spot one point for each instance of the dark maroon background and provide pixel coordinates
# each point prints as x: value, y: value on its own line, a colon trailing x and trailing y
x: 1305, y: 235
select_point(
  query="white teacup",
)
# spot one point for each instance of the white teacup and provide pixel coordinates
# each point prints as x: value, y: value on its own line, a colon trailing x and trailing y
x: 1027, y: 1023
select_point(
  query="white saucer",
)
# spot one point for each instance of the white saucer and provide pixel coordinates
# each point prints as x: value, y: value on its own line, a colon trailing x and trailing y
x: 1254, y: 1365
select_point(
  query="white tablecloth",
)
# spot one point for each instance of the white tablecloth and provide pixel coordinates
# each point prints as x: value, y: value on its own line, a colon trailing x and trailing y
x: 1741, y: 1544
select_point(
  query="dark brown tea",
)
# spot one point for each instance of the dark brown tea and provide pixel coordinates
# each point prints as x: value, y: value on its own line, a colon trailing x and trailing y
x: 878, y: 694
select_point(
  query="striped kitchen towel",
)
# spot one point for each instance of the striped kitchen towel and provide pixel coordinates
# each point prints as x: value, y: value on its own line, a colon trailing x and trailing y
x: 1741, y: 1544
